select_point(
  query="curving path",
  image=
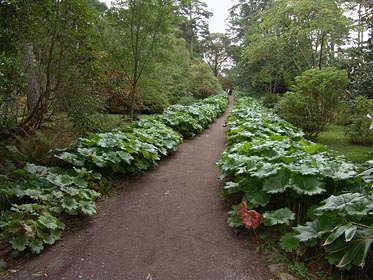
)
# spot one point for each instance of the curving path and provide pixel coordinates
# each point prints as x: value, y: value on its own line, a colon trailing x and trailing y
x: 169, y: 224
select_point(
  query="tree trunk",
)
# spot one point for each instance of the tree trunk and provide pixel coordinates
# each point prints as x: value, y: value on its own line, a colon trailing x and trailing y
x: 191, y: 32
x: 192, y: 44
x: 133, y: 101
x: 321, y: 49
x: 32, y: 85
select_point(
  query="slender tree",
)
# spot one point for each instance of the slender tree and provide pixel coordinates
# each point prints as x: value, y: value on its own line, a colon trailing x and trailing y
x: 51, y: 40
x: 193, y: 22
x: 216, y: 52
x: 135, y: 29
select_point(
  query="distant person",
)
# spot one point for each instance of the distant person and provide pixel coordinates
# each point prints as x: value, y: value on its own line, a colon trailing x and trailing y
x: 230, y: 91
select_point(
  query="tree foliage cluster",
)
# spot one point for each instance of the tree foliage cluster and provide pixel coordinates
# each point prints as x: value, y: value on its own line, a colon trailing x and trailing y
x: 79, y: 57
x: 277, y: 42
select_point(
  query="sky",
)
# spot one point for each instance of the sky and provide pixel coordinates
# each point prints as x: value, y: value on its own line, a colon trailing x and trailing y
x: 220, y: 10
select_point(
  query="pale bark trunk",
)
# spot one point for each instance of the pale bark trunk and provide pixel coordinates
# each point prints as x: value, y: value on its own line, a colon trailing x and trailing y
x: 32, y: 85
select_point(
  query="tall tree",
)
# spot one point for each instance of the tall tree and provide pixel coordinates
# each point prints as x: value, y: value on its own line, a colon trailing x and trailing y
x: 244, y: 18
x: 314, y: 27
x: 358, y: 58
x: 135, y: 30
x: 52, y: 42
x: 216, y: 52
x: 244, y: 15
x: 194, y: 21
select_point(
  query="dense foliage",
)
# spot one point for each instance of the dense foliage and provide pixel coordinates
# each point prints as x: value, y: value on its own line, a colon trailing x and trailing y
x: 42, y: 197
x: 313, y: 99
x: 358, y: 124
x: 128, y: 150
x: 282, y: 176
x: 39, y: 198
x: 192, y: 119
x: 79, y: 57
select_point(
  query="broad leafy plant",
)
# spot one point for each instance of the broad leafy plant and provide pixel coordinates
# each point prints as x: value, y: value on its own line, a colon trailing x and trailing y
x: 126, y: 151
x: 39, y: 200
x: 283, y: 176
x: 274, y: 167
x: 191, y: 120
x: 343, y: 225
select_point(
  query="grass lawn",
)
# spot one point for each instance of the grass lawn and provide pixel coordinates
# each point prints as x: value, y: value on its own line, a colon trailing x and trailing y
x: 335, y: 139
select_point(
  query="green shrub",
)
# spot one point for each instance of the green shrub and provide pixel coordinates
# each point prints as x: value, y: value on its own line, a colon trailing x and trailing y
x: 270, y: 100
x: 191, y: 120
x: 38, y: 201
x: 357, y: 127
x: 312, y: 100
x: 153, y: 102
x: 204, y: 82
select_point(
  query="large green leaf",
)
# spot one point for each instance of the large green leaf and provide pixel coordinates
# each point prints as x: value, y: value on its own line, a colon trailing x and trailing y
x: 288, y: 242
x: 48, y: 221
x: 35, y: 194
x: 257, y: 198
x: 60, y: 180
x: 36, y: 169
x: 343, y: 253
x: 266, y: 169
x: 232, y: 187
x: 36, y: 246
x: 315, y: 229
x: 337, y: 202
x: 279, y: 216
x: 277, y: 183
x: 348, y: 230
x: 50, y: 236
x: 69, y: 203
x: 126, y: 157
x: 88, y: 207
x: 19, y: 242
x: 351, y: 203
x: 308, y: 185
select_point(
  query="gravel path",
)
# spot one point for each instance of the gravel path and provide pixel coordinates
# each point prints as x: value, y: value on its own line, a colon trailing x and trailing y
x: 169, y: 224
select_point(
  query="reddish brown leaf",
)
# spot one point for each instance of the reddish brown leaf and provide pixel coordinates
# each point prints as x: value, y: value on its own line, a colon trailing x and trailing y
x: 250, y: 218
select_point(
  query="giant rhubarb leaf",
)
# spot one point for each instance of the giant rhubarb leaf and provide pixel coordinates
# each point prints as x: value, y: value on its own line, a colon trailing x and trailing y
x: 250, y: 218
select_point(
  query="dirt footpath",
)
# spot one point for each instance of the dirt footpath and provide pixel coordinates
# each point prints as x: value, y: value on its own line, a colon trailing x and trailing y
x: 169, y: 224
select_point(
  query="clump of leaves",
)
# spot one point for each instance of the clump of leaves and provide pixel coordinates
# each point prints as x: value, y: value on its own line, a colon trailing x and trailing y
x: 30, y: 225
x: 129, y: 150
x: 343, y: 224
x: 284, y: 176
x: 39, y: 199
x: 192, y: 119
x: 275, y: 169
